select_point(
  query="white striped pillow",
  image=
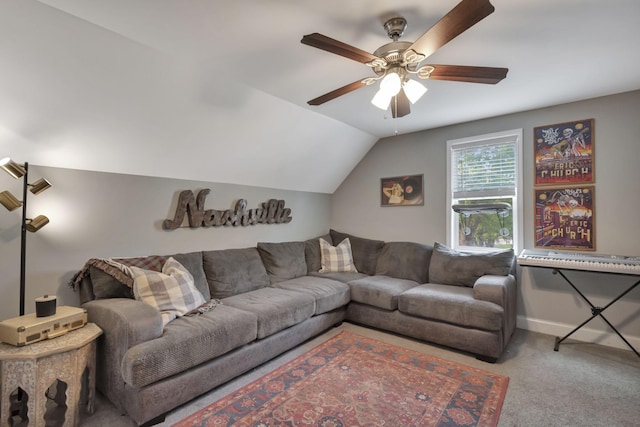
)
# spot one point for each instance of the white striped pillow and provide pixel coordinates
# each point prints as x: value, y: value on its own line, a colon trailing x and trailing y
x: 334, y: 259
x: 171, y: 291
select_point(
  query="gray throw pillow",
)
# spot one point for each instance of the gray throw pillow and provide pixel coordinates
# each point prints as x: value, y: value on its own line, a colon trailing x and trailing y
x: 283, y: 261
x: 365, y: 251
x: 450, y: 267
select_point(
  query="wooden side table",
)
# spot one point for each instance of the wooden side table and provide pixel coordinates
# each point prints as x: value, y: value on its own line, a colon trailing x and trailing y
x: 41, y: 384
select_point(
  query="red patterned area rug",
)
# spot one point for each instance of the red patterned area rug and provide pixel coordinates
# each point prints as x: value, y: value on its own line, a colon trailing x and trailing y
x: 351, y: 380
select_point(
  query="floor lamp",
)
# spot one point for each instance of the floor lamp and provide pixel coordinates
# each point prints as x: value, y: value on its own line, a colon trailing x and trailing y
x: 10, y: 202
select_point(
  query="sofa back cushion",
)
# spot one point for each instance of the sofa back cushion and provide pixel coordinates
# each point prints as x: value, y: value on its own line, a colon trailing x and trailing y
x: 283, y: 261
x: 234, y: 271
x: 450, y: 267
x: 312, y: 252
x: 405, y: 260
x: 365, y: 251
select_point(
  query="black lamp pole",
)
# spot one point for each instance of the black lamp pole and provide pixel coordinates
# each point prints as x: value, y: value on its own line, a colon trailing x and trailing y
x: 23, y: 242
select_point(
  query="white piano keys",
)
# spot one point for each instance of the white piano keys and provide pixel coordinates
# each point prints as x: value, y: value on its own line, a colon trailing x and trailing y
x: 580, y: 261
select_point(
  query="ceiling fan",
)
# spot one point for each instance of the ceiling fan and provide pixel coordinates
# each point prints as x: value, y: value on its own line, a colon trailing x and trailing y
x: 395, y: 62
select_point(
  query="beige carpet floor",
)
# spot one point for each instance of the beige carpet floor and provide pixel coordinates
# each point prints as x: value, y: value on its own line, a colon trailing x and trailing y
x: 583, y: 384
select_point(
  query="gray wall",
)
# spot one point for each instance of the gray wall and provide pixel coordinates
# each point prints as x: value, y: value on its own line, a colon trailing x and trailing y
x: 97, y: 214
x: 546, y: 303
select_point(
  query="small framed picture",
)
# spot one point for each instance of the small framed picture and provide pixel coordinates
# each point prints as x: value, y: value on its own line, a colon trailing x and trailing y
x: 402, y: 191
x: 564, y: 218
x: 564, y: 153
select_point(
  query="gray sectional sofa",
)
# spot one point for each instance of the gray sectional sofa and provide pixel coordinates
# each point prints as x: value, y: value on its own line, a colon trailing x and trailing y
x: 272, y: 298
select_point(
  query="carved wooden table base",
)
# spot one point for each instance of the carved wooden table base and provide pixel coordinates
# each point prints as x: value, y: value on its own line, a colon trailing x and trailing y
x: 43, y: 382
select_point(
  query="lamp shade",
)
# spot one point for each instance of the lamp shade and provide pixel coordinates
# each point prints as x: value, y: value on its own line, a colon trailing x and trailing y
x: 381, y: 99
x: 9, y: 201
x: 14, y: 169
x: 37, y: 223
x: 414, y: 90
x: 391, y: 84
x: 39, y: 186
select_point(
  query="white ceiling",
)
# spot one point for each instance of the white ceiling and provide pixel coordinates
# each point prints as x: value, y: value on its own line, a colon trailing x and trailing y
x: 216, y: 90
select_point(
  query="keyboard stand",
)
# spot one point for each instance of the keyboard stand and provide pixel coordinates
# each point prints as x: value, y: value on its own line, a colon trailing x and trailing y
x: 595, y: 311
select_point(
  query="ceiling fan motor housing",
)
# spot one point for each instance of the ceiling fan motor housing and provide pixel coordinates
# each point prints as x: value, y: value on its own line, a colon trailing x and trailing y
x: 395, y: 27
x: 392, y: 53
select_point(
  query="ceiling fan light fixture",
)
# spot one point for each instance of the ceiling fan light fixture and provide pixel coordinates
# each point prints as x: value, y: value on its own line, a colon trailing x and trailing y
x: 382, y: 100
x: 414, y: 90
x: 391, y: 84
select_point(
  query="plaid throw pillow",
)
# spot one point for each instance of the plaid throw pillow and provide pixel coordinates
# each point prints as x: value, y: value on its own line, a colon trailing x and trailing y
x: 338, y: 258
x: 171, y: 291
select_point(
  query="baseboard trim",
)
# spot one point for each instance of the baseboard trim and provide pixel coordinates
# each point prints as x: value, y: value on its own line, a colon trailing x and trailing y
x: 608, y: 338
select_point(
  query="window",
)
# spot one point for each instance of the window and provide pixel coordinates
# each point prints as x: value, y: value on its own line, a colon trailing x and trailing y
x: 485, y: 172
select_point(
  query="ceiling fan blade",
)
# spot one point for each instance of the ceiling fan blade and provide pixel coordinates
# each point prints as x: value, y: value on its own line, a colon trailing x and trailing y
x: 336, y: 93
x: 462, y: 17
x: 400, y: 105
x: 462, y: 73
x: 337, y: 47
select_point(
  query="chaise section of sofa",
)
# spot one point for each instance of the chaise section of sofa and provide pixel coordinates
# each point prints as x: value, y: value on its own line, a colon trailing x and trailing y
x: 460, y: 300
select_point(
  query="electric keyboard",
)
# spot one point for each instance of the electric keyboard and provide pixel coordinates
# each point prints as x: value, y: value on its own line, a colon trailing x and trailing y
x: 620, y: 264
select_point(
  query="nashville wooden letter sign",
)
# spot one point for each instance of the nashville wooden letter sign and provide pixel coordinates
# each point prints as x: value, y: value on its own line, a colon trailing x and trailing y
x: 270, y: 212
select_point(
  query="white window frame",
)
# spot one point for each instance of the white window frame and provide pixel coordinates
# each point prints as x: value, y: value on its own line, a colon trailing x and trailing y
x: 514, y: 135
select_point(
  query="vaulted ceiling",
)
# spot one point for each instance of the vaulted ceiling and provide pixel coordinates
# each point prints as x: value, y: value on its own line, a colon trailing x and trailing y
x: 216, y: 91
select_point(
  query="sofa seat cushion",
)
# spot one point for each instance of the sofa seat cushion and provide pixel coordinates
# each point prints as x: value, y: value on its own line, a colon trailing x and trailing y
x: 276, y: 309
x: 342, y: 276
x: 329, y: 294
x: 451, y: 304
x: 187, y: 342
x: 379, y: 291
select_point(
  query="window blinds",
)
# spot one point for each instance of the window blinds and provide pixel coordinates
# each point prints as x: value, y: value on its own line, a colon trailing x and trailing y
x: 484, y: 169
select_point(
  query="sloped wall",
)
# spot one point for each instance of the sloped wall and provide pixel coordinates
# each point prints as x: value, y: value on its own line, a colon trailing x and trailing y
x: 96, y: 214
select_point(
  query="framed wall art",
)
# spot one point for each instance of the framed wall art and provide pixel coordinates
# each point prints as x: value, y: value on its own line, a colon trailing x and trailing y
x: 564, y: 153
x: 564, y: 218
x: 402, y: 191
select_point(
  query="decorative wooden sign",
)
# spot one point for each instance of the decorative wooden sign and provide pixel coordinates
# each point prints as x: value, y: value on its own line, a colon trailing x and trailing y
x: 269, y: 212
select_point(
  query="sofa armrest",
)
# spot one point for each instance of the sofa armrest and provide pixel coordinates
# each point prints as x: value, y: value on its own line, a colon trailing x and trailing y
x: 500, y: 290
x: 495, y: 289
x: 125, y: 323
x: 132, y: 321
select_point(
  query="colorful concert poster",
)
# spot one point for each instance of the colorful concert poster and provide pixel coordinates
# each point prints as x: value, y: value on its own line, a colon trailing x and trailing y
x: 564, y: 153
x: 565, y: 218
